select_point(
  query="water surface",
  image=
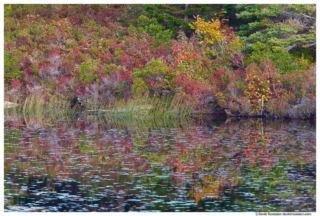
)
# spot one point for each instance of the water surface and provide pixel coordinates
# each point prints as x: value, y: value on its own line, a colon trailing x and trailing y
x: 203, y: 164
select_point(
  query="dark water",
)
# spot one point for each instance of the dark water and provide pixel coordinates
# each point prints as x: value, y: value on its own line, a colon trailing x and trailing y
x: 206, y: 164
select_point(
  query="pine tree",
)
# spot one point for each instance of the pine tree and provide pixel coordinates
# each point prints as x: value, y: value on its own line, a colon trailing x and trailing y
x: 291, y: 27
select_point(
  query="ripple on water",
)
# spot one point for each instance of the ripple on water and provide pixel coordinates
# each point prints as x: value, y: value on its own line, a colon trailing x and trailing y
x: 231, y: 166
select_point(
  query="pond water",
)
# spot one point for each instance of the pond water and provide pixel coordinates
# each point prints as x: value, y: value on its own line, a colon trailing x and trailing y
x: 219, y: 165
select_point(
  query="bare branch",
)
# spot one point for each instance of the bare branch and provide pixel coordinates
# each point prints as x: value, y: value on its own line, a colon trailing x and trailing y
x: 308, y: 16
x: 291, y: 47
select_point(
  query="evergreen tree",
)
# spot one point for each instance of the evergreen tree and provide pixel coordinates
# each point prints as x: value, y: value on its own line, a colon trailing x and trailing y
x: 175, y: 16
x: 291, y: 27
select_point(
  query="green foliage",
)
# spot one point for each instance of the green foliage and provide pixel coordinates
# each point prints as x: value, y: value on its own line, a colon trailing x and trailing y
x: 170, y: 21
x: 155, y: 77
x: 7, y: 10
x: 162, y: 38
x: 44, y: 10
x: 155, y: 67
x: 139, y: 88
x: 122, y: 87
x: 283, y: 60
x: 115, y: 40
x: 86, y: 72
x: 110, y: 68
x: 117, y: 53
x: 306, y: 53
x: 76, y: 34
x: 277, y: 25
x: 11, y: 67
x: 155, y: 29
x: 175, y: 16
x: 106, y: 44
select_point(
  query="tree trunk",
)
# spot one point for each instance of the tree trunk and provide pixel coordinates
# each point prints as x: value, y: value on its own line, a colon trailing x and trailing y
x: 186, y: 16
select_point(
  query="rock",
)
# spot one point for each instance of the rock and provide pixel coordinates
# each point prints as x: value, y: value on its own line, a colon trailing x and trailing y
x: 209, y: 106
x: 232, y: 114
x: 77, y: 104
x: 8, y: 104
x: 211, y: 100
x: 210, y: 111
x: 305, y: 109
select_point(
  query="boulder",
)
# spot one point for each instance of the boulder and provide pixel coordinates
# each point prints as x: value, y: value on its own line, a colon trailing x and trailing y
x: 77, y: 104
x: 209, y: 106
x: 305, y: 109
x: 210, y: 111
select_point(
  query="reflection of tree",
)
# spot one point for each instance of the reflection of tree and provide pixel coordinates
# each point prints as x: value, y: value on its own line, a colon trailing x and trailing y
x: 210, y: 190
x: 205, y: 159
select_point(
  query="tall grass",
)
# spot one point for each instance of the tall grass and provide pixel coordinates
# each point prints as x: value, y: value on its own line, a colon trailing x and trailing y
x: 36, y: 107
x: 162, y: 108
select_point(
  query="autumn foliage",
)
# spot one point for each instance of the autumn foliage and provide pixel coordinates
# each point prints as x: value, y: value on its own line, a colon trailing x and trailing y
x: 102, y: 53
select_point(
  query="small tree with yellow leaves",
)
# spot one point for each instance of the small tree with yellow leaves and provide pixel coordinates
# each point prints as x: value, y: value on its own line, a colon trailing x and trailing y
x: 263, y: 81
x: 211, y: 31
x: 219, y: 38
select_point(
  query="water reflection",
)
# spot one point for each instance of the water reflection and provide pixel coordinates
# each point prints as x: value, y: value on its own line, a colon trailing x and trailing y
x: 161, y: 165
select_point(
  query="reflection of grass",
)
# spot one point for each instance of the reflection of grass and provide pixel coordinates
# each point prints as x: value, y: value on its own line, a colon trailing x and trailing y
x: 146, y: 107
x: 58, y: 108
x: 12, y: 136
x: 249, y: 178
x: 83, y: 146
x: 287, y: 195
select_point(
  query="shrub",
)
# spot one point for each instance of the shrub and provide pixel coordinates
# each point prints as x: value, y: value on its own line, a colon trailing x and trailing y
x: 86, y: 72
x: 91, y: 51
x: 263, y: 83
x: 283, y: 60
x: 220, y: 39
x: 153, y: 68
x: 155, y: 29
x: 139, y: 88
x: 11, y: 67
x: 155, y: 74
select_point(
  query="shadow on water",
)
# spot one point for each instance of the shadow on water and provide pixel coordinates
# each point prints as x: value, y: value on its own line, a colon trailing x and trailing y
x: 167, y: 164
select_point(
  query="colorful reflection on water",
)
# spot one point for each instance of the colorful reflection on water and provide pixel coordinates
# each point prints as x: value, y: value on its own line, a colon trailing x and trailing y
x: 160, y: 165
